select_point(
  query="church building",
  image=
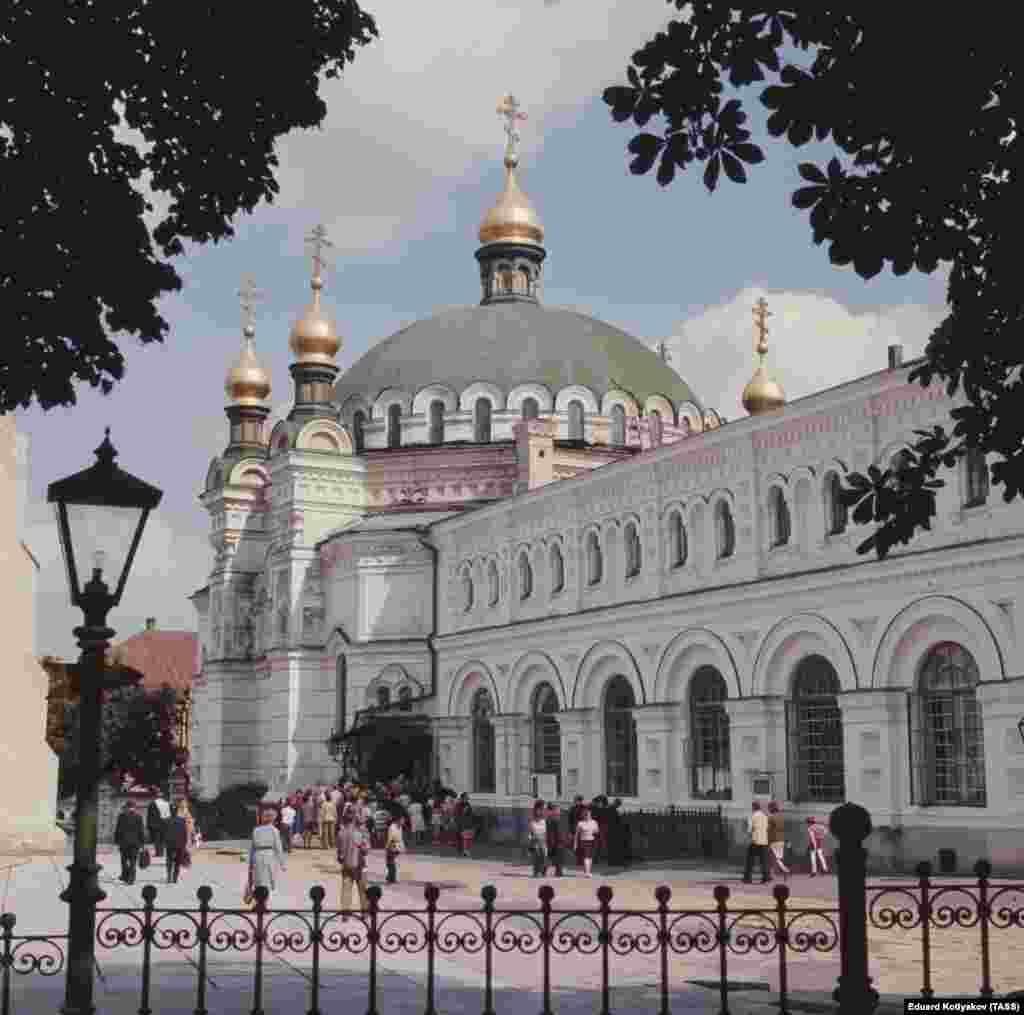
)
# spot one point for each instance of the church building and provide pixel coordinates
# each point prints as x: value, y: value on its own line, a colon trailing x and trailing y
x: 515, y: 538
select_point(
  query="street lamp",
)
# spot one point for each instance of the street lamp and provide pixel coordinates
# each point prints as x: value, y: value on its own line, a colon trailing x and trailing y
x: 101, y: 513
x: 340, y: 751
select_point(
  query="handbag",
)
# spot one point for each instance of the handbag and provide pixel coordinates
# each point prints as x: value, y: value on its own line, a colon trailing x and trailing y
x: 144, y: 858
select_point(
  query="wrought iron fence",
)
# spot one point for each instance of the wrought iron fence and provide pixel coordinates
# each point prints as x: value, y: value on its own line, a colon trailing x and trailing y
x: 722, y: 935
x: 676, y: 831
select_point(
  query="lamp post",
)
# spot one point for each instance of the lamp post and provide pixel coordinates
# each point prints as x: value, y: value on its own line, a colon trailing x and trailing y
x: 101, y: 513
x: 340, y: 752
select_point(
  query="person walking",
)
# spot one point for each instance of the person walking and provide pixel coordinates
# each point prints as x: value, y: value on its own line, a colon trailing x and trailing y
x: 287, y: 821
x: 265, y: 850
x: 129, y: 837
x: 157, y: 815
x: 417, y: 824
x: 587, y: 831
x: 816, y: 846
x: 328, y: 823
x: 182, y: 811
x: 352, y: 847
x: 537, y: 834
x: 466, y: 823
x: 394, y: 844
x: 175, y: 845
x: 757, y: 826
x: 310, y: 819
x: 777, y: 838
x: 553, y: 823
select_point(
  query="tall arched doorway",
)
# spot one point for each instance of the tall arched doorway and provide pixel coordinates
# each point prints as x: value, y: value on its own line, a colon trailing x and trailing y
x: 710, y: 766
x: 482, y: 711
x: 620, y: 738
x: 814, y: 733
x: 547, y: 741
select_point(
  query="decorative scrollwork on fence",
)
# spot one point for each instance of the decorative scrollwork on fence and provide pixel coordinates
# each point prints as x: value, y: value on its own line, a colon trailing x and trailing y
x: 451, y: 939
x: 401, y: 932
x: 801, y: 938
x: 1006, y: 907
x: 641, y: 938
x: 585, y: 940
x: 892, y: 915
x: 26, y: 956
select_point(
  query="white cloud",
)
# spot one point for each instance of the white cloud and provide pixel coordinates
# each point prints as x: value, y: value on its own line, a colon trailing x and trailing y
x: 814, y: 343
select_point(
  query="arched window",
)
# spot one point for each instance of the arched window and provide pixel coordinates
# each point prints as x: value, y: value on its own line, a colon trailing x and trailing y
x: 340, y: 693
x: 482, y: 421
x: 436, y: 422
x: 575, y: 420
x: 778, y: 517
x: 493, y: 584
x: 814, y: 733
x: 405, y: 698
x: 710, y: 767
x: 383, y: 697
x: 618, y: 419
x: 547, y: 741
x: 530, y: 408
x: 634, y: 552
x: 525, y: 576
x: 620, y: 738
x: 947, y: 740
x: 557, y: 563
x: 394, y: 425
x: 595, y: 565
x: 835, y: 509
x: 655, y: 427
x: 358, y: 428
x: 467, y: 590
x: 725, y: 531
x: 975, y: 473
x: 676, y: 540
x: 482, y: 711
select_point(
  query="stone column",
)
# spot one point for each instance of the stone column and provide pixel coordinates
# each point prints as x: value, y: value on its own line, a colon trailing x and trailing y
x: 1002, y: 707
x: 757, y: 747
x: 875, y: 750
x: 454, y: 744
x: 659, y: 752
x: 580, y: 744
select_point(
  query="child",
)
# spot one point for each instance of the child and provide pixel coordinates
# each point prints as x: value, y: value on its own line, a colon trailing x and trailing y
x: 816, y: 846
x: 393, y: 845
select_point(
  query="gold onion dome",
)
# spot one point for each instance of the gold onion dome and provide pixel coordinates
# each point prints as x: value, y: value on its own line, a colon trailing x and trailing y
x: 512, y: 219
x: 247, y: 383
x: 763, y: 393
x: 314, y: 338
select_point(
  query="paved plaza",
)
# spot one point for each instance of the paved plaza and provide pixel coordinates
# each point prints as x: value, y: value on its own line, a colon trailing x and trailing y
x: 30, y: 889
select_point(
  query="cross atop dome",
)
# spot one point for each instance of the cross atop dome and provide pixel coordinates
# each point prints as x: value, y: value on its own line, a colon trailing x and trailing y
x: 508, y: 107
x: 317, y: 243
x: 761, y: 315
x: 248, y: 297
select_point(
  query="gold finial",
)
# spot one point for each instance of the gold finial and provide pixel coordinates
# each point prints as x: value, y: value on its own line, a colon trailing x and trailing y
x: 314, y: 338
x: 762, y: 393
x: 761, y: 315
x: 508, y: 107
x: 247, y: 383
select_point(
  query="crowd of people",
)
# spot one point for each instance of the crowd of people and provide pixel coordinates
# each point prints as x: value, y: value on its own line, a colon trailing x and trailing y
x: 768, y: 844
x: 173, y: 834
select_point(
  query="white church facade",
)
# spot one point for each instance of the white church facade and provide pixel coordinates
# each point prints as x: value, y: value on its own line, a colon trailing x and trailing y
x: 520, y: 525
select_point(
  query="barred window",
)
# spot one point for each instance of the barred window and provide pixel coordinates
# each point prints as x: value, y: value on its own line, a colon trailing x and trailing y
x: 405, y: 698
x: 493, y: 583
x: 778, y: 516
x: 634, y: 551
x: 947, y: 743
x: 358, y: 428
x: 557, y: 568
x: 618, y: 419
x: 975, y: 472
x: 575, y: 421
x: 525, y: 576
x: 595, y: 565
x: 655, y: 428
x: 620, y: 738
x: 482, y: 421
x: 835, y: 509
x: 530, y: 408
x: 436, y: 422
x: 710, y: 766
x: 814, y: 734
x: 547, y: 743
x: 482, y: 711
x: 383, y: 697
x: 340, y: 693
x: 394, y: 425
x: 725, y: 531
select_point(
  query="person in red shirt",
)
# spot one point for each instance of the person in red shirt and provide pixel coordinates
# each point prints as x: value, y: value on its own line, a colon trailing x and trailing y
x: 816, y: 846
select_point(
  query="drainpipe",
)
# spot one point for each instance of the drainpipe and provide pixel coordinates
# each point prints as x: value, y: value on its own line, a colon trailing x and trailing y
x: 432, y: 646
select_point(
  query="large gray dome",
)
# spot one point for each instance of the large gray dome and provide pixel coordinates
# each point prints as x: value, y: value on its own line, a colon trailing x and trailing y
x: 509, y: 344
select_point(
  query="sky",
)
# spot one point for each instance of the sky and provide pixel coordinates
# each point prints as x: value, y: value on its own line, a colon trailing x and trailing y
x: 401, y: 172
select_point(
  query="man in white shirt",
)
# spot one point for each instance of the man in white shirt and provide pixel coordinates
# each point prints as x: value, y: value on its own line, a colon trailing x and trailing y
x: 757, y: 825
x: 287, y: 820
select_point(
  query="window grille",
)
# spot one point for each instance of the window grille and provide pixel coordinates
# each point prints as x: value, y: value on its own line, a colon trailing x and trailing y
x: 394, y: 425
x: 725, y: 531
x: 482, y: 421
x: 634, y: 552
x: 618, y: 425
x: 483, y: 742
x: 575, y: 421
x: 557, y: 569
x: 975, y: 478
x: 525, y: 577
x: 531, y: 410
x: 620, y: 746
x: 547, y: 741
x: 814, y: 734
x: 676, y: 540
x: 779, y: 516
x: 594, y: 561
x: 358, y: 427
x: 947, y: 745
x: 436, y: 422
x: 835, y: 509
x: 710, y: 765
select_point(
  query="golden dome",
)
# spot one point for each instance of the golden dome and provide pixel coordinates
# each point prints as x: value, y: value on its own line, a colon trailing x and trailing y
x: 247, y: 383
x: 512, y: 219
x: 314, y: 338
x: 762, y: 393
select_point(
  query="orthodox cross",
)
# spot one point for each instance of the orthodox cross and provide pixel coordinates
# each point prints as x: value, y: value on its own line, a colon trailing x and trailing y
x: 248, y: 297
x: 318, y: 242
x: 761, y: 315
x: 508, y: 107
x: 663, y: 354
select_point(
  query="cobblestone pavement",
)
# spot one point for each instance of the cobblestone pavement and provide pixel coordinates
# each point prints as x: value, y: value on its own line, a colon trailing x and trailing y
x: 30, y: 890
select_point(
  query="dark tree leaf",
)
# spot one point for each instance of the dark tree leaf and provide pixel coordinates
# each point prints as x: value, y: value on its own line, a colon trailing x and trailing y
x: 733, y: 167
x: 749, y: 153
x: 711, y: 172
x: 811, y: 173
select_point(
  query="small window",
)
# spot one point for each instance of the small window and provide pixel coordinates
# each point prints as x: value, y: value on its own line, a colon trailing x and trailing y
x: 676, y: 540
x: 525, y: 577
x: 531, y: 408
x: 436, y: 422
x: 655, y: 428
x: 557, y: 569
x: 493, y: 584
x: 467, y: 590
x: 405, y: 698
x: 975, y: 470
x: 835, y: 509
x: 618, y: 419
x: 725, y: 531
x: 482, y: 421
x: 595, y: 564
x: 383, y: 697
x: 634, y: 552
x: 778, y: 511
x: 394, y: 425
x: 575, y: 420
x: 358, y: 427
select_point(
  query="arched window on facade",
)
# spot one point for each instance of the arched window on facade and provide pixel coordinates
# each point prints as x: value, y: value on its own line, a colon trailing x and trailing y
x: 358, y: 430
x: 975, y: 478
x: 575, y: 420
x: 814, y: 733
x: 710, y: 766
x: 547, y: 741
x: 436, y: 435
x: 655, y: 427
x: 947, y: 744
x: 482, y: 712
x: 530, y: 408
x: 340, y: 693
x: 383, y: 697
x: 405, y: 698
x: 467, y: 590
x: 618, y: 425
x: 525, y: 576
x: 595, y: 564
x: 482, y: 421
x: 633, y: 550
x: 778, y: 517
x: 676, y: 539
x: 493, y: 584
x: 557, y: 564
x: 725, y: 531
x: 835, y: 509
x: 620, y: 738
x: 394, y: 425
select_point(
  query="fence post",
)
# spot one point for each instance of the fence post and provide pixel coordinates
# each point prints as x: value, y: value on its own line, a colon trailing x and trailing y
x: 604, y: 896
x: 7, y: 921
x: 431, y: 893
x: 316, y: 895
x: 546, y: 893
x: 204, y: 893
x: 663, y: 893
x: 488, y: 893
x: 148, y: 898
x: 373, y: 894
x: 851, y: 825
x: 983, y: 869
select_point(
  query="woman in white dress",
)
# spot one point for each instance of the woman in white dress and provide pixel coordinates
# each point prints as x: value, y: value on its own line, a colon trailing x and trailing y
x: 264, y: 851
